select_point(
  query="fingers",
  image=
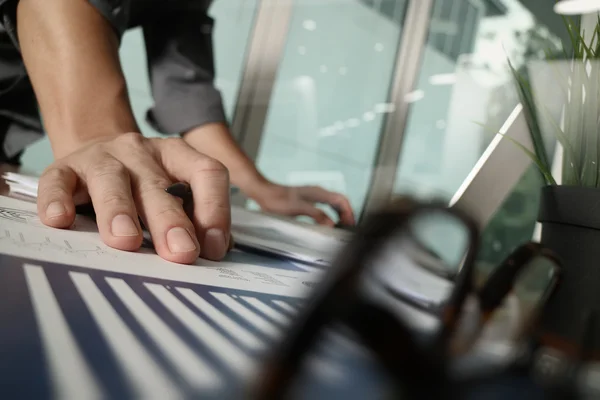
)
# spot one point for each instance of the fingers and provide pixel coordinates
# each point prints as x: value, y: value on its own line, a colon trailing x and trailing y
x: 338, y: 201
x: 55, y: 196
x: 172, y: 232
x: 127, y: 176
x: 209, y: 181
x: 109, y: 187
x: 318, y: 215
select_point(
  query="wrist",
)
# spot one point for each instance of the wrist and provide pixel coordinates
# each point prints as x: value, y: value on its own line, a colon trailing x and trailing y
x: 215, y: 140
x: 70, y: 142
x: 260, y: 190
x: 251, y: 182
x: 69, y: 132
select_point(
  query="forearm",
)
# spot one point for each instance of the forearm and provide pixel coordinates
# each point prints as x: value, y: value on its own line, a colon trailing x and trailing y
x: 71, y: 55
x: 215, y: 141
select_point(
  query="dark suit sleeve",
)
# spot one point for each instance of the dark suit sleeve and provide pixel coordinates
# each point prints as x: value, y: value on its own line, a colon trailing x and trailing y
x: 181, y: 68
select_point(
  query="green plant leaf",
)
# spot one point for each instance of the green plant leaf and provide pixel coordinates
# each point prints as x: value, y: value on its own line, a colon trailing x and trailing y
x: 568, y: 154
x: 547, y: 174
x: 573, y: 36
x: 529, y: 109
x: 587, y: 52
x: 561, y: 77
x: 589, y: 128
x: 541, y: 167
x: 597, y: 49
x: 580, y: 136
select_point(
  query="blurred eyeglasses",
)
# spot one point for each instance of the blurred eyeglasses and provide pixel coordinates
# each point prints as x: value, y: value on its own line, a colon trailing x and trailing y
x: 401, y: 286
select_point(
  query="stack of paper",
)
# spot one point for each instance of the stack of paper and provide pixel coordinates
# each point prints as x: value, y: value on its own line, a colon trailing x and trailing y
x: 21, y: 184
x: 251, y: 230
x: 283, y: 238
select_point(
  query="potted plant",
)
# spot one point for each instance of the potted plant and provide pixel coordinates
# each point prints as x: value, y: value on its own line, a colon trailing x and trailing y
x: 570, y: 211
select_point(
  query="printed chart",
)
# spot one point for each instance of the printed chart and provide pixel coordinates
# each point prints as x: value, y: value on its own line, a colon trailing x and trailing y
x: 80, y: 320
x: 87, y: 334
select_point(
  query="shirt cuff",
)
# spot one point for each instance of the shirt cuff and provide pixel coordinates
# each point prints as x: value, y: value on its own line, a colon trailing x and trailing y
x: 186, y: 108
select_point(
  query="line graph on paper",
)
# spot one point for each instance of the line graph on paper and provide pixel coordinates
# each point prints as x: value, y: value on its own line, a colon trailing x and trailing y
x: 38, y: 242
x: 23, y: 216
x: 81, y: 333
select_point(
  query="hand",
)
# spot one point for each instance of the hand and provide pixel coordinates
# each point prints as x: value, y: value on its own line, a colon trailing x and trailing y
x: 216, y: 140
x: 301, y: 200
x: 125, y: 177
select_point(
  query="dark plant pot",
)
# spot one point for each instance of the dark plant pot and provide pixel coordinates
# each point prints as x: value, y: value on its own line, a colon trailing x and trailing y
x: 570, y: 217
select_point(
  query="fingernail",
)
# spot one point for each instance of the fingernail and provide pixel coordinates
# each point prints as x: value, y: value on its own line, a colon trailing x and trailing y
x: 215, y: 244
x: 180, y: 241
x: 122, y: 225
x: 55, y: 209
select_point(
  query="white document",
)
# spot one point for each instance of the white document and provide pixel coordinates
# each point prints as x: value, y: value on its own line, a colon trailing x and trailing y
x: 254, y: 231
x: 21, y: 184
x: 82, y: 316
x: 286, y: 239
x: 23, y: 235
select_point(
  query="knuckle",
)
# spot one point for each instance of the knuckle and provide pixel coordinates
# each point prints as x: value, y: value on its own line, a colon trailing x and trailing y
x: 172, y: 214
x: 159, y: 144
x: 213, y: 203
x: 54, y: 174
x: 51, y: 193
x: 130, y: 145
x: 210, y: 165
x: 107, y: 166
x: 114, y: 198
x: 132, y: 139
x: 52, y: 183
x: 153, y: 184
x: 172, y: 141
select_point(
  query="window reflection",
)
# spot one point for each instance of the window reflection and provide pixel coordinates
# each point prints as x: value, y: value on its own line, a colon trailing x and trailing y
x: 465, y: 90
x: 465, y: 94
x: 329, y: 101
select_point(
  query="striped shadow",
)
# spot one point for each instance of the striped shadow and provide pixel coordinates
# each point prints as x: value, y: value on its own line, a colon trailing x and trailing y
x: 71, y: 376
x: 255, y: 320
x: 234, y: 358
x: 146, y: 377
x: 238, y: 332
x: 192, y: 368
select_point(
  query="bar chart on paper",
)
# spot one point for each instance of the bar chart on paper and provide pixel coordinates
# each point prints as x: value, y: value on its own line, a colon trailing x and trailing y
x: 82, y: 333
x: 80, y: 320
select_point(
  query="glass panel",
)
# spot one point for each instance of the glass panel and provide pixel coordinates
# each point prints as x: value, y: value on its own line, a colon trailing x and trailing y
x: 513, y: 223
x: 465, y: 90
x: 234, y: 23
x: 329, y: 99
x: 464, y: 94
